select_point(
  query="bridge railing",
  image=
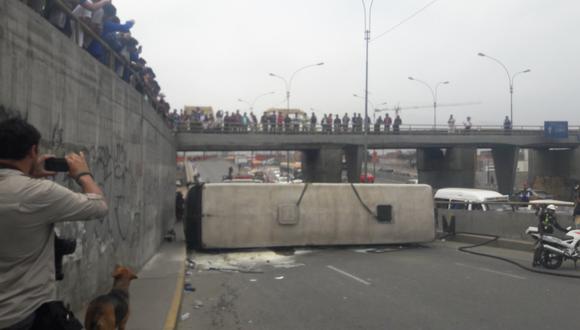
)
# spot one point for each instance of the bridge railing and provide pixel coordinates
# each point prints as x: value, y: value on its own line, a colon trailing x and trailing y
x: 115, y: 61
x: 410, y: 129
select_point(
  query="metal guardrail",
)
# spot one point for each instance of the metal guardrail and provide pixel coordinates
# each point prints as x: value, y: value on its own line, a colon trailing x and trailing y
x: 114, y: 57
x: 415, y: 129
x: 511, y: 204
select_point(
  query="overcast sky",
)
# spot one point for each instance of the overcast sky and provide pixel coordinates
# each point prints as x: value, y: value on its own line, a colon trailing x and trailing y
x: 214, y: 52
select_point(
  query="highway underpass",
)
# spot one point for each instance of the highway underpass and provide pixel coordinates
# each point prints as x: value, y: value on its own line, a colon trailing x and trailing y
x: 432, y: 286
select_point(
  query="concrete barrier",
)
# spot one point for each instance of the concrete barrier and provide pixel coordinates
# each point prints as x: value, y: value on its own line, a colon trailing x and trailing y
x: 80, y: 105
x: 506, y: 224
x: 268, y: 215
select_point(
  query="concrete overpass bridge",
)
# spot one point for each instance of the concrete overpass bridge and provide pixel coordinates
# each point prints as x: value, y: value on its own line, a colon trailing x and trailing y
x: 443, y: 158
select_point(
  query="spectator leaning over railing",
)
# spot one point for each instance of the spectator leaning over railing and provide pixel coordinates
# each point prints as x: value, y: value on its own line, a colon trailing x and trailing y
x: 313, y: 121
x: 467, y: 125
x: 100, y: 16
x: 305, y: 123
x: 253, y: 121
x: 57, y: 16
x: 111, y: 25
x: 451, y: 123
x: 91, y: 13
x: 397, y: 124
x: 507, y: 125
x: 345, y: 120
x: 378, y: 124
x: 388, y: 122
x: 337, y: 124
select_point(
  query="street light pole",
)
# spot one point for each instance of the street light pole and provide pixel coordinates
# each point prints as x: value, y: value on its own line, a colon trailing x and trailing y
x: 374, y: 108
x: 434, y: 93
x: 511, y: 82
x: 367, y: 40
x: 288, y: 83
x: 251, y: 104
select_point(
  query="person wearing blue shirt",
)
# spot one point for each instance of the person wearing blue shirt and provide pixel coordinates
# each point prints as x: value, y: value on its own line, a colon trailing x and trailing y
x: 111, y: 26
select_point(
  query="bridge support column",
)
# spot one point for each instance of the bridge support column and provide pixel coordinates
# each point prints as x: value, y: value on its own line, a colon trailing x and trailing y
x: 505, y: 162
x: 354, y: 158
x: 322, y: 165
x: 555, y: 171
x: 452, y: 167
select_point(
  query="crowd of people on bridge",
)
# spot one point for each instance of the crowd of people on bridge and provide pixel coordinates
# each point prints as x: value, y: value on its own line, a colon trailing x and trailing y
x: 276, y: 122
x: 99, y: 18
x: 279, y: 122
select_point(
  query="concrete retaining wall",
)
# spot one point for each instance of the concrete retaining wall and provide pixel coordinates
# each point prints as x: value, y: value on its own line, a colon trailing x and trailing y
x: 510, y: 225
x: 265, y: 215
x: 78, y: 104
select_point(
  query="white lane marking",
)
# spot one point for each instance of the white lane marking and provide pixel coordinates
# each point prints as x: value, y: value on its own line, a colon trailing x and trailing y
x: 491, y: 271
x: 348, y: 275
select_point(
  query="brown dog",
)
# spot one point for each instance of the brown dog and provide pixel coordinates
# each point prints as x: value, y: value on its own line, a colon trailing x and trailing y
x: 111, y: 311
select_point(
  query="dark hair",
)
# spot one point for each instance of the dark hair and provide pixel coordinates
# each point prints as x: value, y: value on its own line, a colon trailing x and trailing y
x: 16, y: 138
x: 109, y: 10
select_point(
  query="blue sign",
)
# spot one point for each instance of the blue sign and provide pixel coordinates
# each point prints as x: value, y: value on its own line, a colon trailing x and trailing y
x: 556, y: 129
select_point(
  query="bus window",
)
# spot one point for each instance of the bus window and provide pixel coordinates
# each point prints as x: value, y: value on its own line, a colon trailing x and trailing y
x: 458, y: 206
x: 441, y: 203
x: 477, y: 207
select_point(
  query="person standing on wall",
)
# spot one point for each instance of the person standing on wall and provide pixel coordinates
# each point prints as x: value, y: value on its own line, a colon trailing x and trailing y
x: 29, y: 208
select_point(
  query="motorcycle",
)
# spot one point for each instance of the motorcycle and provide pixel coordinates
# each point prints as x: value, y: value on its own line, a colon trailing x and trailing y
x: 550, y: 251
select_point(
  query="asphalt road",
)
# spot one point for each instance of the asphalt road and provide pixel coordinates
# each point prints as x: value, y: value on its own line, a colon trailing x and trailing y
x: 430, y: 287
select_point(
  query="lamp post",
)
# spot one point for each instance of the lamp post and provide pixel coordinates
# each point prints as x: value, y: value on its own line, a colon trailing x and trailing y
x: 367, y: 40
x: 288, y: 83
x: 251, y: 104
x: 372, y: 104
x: 434, y: 93
x: 511, y: 81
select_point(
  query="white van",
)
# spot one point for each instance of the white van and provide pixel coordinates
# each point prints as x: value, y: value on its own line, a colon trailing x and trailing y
x: 471, y: 199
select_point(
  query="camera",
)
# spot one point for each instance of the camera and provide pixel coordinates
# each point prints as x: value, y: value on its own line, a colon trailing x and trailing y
x: 62, y: 247
x: 56, y: 165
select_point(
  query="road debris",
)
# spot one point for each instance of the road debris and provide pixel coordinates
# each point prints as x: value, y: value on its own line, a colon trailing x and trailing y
x: 197, y: 304
x: 188, y: 287
x: 252, y: 262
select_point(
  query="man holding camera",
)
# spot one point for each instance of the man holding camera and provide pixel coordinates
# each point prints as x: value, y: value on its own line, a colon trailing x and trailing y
x: 29, y: 208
